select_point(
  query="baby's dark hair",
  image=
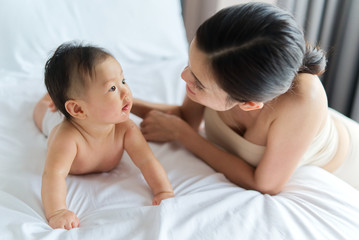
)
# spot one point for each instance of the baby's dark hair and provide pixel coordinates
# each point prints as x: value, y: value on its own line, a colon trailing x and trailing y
x: 256, y: 50
x: 69, y: 70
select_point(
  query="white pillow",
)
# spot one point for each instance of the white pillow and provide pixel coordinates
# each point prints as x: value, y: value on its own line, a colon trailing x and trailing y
x: 134, y: 31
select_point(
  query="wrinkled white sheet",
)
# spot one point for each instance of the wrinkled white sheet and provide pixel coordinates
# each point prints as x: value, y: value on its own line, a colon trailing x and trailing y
x: 147, y: 37
x: 117, y: 205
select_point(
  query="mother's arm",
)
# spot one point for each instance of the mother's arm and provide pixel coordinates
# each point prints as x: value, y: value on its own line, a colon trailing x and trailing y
x: 288, y: 139
x: 189, y: 111
x: 289, y: 136
x: 159, y: 126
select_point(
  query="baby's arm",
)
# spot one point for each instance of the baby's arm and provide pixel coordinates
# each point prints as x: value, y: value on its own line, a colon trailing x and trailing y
x: 142, y: 156
x: 61, y: 153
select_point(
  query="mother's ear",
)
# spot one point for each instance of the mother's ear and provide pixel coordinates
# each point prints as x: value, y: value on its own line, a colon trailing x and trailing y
x: 75, y: 109
x: 248, y: 106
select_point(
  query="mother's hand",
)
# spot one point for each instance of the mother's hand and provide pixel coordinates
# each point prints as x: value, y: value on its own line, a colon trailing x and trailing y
x: 162, y: 127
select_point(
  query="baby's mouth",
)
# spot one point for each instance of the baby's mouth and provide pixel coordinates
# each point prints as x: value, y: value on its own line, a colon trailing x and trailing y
x: 126, y: 107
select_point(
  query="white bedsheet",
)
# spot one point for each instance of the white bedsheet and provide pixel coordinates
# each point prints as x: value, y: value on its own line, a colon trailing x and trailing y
x: 117, y: 204
x: 147, y: 37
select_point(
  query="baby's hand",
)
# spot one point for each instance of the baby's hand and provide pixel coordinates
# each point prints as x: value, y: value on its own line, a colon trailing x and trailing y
x: 161, y: 196
x: 63, y: 218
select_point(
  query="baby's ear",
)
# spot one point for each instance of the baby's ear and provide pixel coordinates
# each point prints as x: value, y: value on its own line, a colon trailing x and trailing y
x: 75, y: 109
x: 249, y: 106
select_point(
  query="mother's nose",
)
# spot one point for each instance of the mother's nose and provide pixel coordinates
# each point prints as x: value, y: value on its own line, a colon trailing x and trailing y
x: 184, y: 74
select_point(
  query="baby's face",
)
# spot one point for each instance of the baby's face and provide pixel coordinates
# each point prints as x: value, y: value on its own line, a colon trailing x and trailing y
x: 108, y: 98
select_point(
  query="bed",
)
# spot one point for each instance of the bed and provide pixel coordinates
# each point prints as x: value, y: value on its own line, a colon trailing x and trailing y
x: 148, y: 38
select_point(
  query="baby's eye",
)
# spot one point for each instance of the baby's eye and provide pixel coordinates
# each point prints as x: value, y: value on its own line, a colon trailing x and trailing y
x: 124, y: 81
x: 112, y: 89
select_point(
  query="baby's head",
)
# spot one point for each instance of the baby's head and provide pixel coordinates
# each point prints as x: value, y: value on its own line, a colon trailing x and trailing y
x: 69, y: 71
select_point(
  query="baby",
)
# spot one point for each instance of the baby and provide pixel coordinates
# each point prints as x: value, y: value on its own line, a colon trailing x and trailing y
x: 86, y: 84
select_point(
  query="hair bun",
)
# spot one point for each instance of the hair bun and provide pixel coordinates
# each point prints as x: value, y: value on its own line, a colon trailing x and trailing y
x: 314, y: 61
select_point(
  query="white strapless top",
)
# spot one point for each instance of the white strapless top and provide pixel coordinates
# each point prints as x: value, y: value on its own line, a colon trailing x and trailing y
x: 320, y: 152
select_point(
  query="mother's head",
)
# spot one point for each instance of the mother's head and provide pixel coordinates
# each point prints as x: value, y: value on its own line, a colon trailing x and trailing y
x: 253, y: 52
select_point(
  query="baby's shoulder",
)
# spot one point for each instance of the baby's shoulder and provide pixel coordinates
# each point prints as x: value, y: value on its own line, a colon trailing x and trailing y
x: 65, y: 132
x: 126, y: 125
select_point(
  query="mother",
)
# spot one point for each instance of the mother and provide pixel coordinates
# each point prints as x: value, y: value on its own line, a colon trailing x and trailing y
x: 252, y: 78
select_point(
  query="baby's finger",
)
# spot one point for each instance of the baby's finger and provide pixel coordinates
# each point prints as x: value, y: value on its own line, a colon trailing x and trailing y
x: 68, y: 226
x: 75, y: 224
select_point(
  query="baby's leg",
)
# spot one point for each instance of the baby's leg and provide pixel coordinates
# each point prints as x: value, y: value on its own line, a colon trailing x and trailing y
x: 40, y: 109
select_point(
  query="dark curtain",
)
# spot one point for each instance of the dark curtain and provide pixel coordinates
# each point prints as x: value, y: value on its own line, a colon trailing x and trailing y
x: 334, y: 26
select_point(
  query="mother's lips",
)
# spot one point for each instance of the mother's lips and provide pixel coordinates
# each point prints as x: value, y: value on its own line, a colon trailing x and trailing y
x: 188, y: 89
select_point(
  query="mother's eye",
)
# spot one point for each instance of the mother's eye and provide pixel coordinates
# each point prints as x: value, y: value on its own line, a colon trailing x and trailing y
x: 198, y: 85
x: 124, y: 81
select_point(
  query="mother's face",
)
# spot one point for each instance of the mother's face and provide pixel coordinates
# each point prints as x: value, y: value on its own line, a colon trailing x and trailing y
x: 201, y: 86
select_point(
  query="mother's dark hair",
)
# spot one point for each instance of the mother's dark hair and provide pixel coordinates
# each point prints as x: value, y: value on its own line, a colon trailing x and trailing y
x: 256, y: 50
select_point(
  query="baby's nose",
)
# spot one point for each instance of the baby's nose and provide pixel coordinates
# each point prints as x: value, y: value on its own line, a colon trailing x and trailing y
x: 123, y: 93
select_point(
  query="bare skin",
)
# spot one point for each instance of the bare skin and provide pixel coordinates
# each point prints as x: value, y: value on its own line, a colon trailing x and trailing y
x: 286, y: 126
x: 94, y: 140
